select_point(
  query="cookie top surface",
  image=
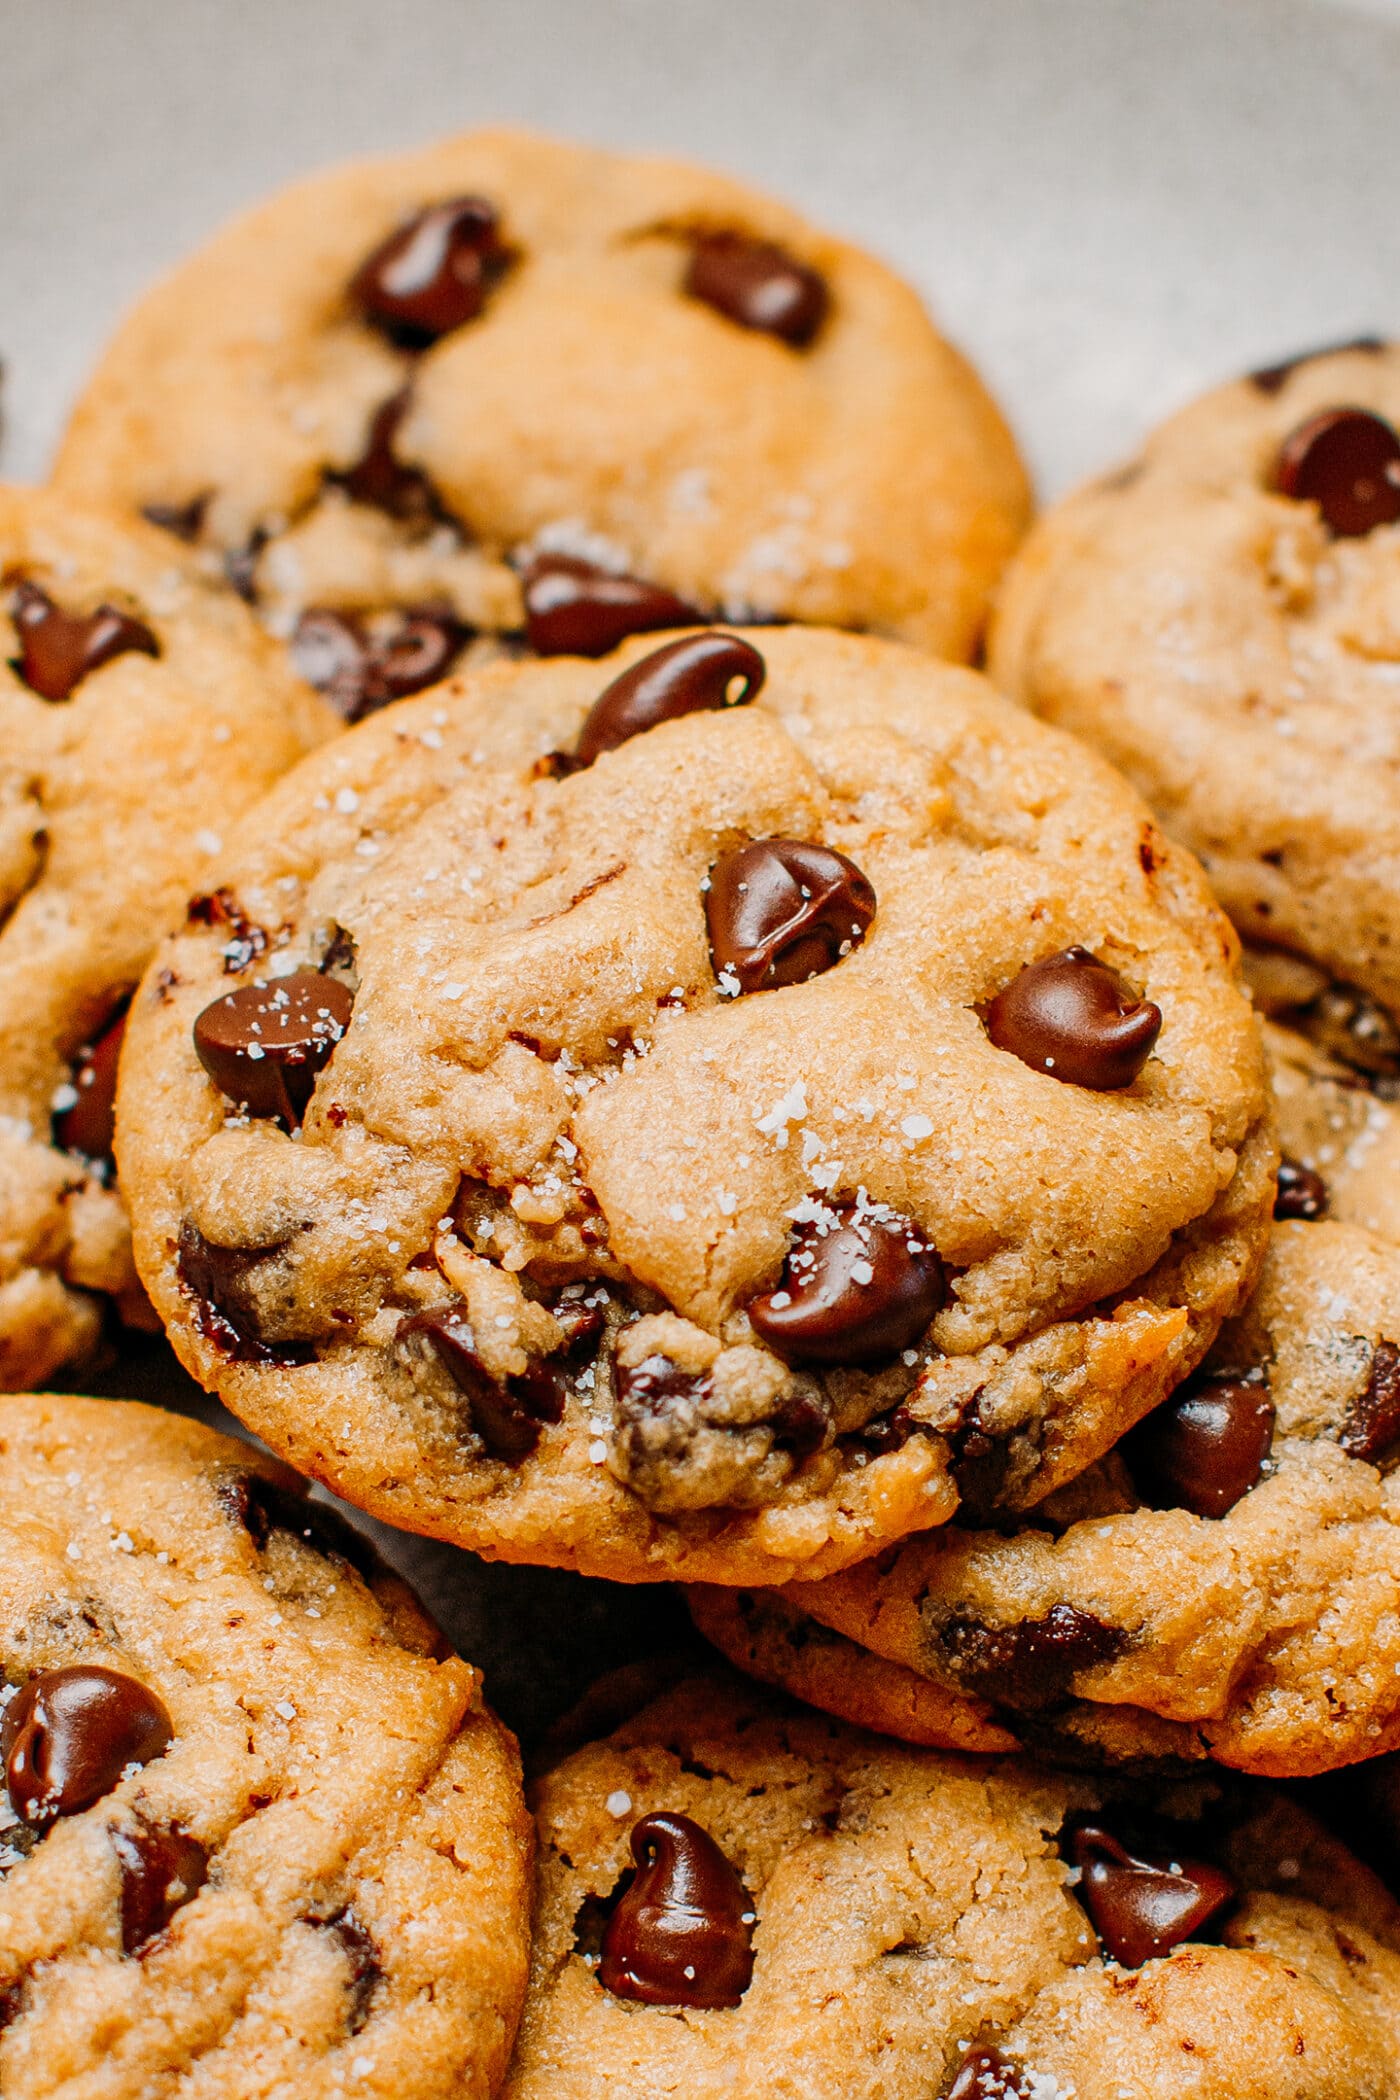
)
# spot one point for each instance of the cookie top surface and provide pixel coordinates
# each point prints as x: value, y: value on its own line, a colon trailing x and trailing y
x: 259, y: 1835
x: 632, y: 361
x: 1222, y: 618
x: 900, y: 1913
x: 845, y: 1213
x: 142, y: 710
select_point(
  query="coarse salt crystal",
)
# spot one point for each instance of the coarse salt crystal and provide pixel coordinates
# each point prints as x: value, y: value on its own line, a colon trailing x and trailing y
x: 285, y: 1708
x: 346, y: 801
x: 618, y: 1803
x: 209, y: 842
x: 597, y: 1451
x: 916, y: 1127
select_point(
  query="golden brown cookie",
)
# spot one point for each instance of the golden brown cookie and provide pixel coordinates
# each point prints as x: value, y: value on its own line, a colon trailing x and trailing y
x: 259, y: 1832
x: 1222, y: 619
x: 725, y: 1152
x: 141, y: 712
x: 740, y: 1897
x: 509, y: 386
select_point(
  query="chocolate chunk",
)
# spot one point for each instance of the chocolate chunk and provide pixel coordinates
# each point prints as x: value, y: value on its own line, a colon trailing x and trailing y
x: 362, y: 1960
x: 1143, y: 1906
x: 1372, y: 1425
x: 984, y: 2074
x: 88, y: 1125
x: 654, y: 1386
x: 782, y: 910
x: 681, y: 1933
x: 1301, y: 1192
x: 506, y: 1416
x: 69, y: 1734
x: 263, y: 1506
x: 184, y: 520
x: 361, y: 670
x: 574, y: 608
x: 247, y: 940
x: 432, y: 274
x: 1072, y: 1016
x: 162, y: 1866
x: 696, y: 674
x: 264, y: 1044
x: 1347, y: 462
x: 852, y: 1292
x: 759, y: 285
x: 225, y: 1309
x: 380, y: 478
x: 1032, y: 1663
x: 1205, y: 1447
x: 59, y: 649
x: 1270, y: 379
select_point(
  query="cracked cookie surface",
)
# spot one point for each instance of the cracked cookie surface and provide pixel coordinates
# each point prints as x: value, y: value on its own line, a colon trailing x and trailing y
x: 597, y: 360
x: 142, y: 710
x: 1235, y: 650
x: 261, y: 1835
x: 580, y: 1252
x: 911, y: 1920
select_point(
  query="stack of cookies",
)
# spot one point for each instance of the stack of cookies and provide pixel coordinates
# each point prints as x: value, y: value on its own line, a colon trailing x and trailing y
x: 530, y: 956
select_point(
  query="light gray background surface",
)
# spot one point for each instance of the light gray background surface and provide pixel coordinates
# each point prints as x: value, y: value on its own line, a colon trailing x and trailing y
x: 1109, y: 203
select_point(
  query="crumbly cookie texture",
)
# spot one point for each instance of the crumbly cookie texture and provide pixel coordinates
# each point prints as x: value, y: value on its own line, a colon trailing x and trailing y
x: 312, y: 1873
x: 499, y: 1283
x: 141, y: 711
x: 1238, y: 658
x: 591, y: 398
x: 915, y: 1917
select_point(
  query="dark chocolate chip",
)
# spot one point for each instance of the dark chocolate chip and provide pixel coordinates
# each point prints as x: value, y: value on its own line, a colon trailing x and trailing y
x: 759, y: 285
x: 506, y: 1416
x: 1071, y: 1015
x: 652, y: 1388
x: 984, y: 2074
x: 382, y: 480
x: 263, y: 1506
x: 264, y: 1044
x: 362, y: 1960
x: 699, y: 673
x: 59, y: 649
x: 247, y: 940
x: 1301, y: 1193
x: 682, y: 1932
x: 88, y: 1126
x: 1372, y: 1425
x: 241, y: 564
x: 69, y: 1734
x: 574, y: 608
x: 852, y: 1292
x: 1347, y: 462
x: 801, y: 1425
x: 225, y: 1310
x: 432, y: 274
x: 1032, y: 1663
x: 1205, y: 1447
x: 11, y: 2001
x: 582, y: 1324
x: 184, y: 520
x: 162, y: 1866
x: 1142, y: 1907
x: 1270, y: 379
x: 361, y: 670
x: 782, y: 910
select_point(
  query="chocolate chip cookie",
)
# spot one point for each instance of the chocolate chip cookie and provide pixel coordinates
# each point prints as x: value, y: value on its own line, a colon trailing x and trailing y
x: 141, y: 711
x: 1222, y: 619
x: 509, y: 387
x: 740, y: 1897
x: 258, y: 1832
x: 697, y: 1114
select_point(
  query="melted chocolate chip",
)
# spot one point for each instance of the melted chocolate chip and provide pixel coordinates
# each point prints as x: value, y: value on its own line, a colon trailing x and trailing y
x: 225, y: 1309
x: 1143, y: 1906
x: 263, y: 1506
x: 1032, y: 1663
x: 1347, y: 462
x: 1205, y: 1447
x: 1372, y: 1425
x: 573, y: 608
x: 264, y: 1044
x: 247, y: 940
x: 1270, y: 379
x: 362, y: 1960
x: 759, y: 285
x: 69, y: 1734
x: 1301, y: 1193
x: 184, y: 520
x: 361, y: 670
x: 432, y: 274
x: 88, y: 1125
x: 59, y: 649
x: 782, y: 910
x: 984, y: 2074
x: 380, y: 479
x: 1074, y: 1017
x: 506, y: 1416
x: 855, y: 1293
x: 654, y: 1386
x: 696, y: 674
x: 162, y: 1866
x: 681, y: 1933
